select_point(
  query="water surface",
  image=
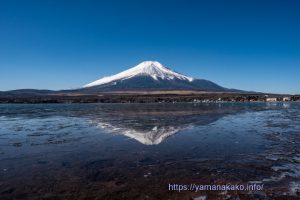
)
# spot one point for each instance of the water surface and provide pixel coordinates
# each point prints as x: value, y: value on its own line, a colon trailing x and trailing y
x: 133, y: 151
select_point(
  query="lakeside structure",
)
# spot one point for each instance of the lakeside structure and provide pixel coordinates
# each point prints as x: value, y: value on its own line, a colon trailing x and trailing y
x: 271, y: 99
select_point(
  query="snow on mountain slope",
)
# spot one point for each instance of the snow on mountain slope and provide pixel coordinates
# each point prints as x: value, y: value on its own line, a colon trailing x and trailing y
x: 148, y: 68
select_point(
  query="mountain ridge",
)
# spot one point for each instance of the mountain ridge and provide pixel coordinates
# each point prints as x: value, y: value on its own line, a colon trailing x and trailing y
x: 147, y: 76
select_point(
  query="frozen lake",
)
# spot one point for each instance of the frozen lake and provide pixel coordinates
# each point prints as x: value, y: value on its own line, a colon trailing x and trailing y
x: 134, y: 151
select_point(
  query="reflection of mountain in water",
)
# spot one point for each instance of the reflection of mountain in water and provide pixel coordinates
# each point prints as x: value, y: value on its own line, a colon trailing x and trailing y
x: 152, y: 124
x: 148, y: 137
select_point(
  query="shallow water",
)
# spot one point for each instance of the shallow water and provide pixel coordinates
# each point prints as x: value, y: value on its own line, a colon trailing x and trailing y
x: 133, y: 151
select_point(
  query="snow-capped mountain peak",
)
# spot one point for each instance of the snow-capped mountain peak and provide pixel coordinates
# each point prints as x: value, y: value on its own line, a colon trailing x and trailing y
x: 152, y: 69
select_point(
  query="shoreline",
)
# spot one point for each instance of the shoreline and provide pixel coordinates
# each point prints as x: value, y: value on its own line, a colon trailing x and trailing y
x: 149, y: 98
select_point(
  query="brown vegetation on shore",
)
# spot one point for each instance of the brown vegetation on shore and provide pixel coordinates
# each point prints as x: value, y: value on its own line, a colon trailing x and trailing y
x: 144, y: 97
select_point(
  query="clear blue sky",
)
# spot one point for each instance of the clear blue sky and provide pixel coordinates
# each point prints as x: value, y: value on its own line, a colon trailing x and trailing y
x: 57, y: 44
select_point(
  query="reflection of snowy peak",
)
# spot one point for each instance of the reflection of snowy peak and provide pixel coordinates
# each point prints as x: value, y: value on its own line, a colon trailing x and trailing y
x: 151, y: 124
x: 150, y: 75
x: 148, y: 68
x: 148, y: 137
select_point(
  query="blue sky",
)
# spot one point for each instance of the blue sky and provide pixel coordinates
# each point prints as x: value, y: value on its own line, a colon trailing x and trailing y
x: 56, y: 44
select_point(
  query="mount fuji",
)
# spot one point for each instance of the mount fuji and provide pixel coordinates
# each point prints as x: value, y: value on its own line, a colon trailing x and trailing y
x: 151, y: 76
x: 146, y: 77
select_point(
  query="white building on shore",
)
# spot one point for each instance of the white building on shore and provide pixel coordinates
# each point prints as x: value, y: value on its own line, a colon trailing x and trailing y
x: 271, y: 99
